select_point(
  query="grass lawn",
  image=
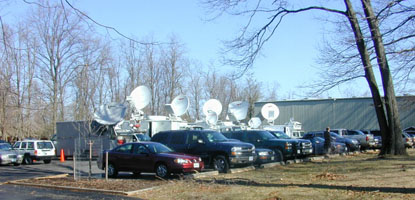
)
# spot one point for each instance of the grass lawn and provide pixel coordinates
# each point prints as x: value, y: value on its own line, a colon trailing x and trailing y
x: 361, y: 176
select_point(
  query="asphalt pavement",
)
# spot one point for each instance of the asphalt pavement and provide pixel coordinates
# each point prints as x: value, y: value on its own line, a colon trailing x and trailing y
x: 39, y: 169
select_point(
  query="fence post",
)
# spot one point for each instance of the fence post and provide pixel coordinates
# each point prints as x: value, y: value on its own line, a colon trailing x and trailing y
x: 106, y: 165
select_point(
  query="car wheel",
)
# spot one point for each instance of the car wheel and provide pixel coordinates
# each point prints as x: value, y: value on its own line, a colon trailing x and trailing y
x: 278, y: 155
x: 162, y: 171
x: 27, y: 160
x: 221, y: 164
x: 47, y: 161
x: 112, y: 171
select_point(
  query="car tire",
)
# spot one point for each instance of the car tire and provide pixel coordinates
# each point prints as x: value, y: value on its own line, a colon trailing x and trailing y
x: 278, y: 156
x: 162, y: 171
x: 47, y: 161
x: 27, y: 160
x: 221, y: 164
x: 112, y: 171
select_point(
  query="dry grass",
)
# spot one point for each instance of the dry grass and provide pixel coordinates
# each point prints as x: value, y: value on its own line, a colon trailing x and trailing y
x: 362, y: 176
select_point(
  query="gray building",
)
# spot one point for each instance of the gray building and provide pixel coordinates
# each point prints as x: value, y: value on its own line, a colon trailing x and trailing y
x: 350, y: 113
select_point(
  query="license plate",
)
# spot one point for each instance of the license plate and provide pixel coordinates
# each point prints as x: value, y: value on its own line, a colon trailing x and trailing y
x: 272, y: 158
x: 196, y: 165
x: 251, y: 158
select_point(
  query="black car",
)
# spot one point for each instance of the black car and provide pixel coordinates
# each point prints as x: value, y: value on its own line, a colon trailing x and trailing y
x: 302, y: 147
x: 283, y: 148
x: 214, y: 148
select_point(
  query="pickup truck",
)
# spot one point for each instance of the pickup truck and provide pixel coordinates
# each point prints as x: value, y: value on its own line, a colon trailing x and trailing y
x: 215, y: 149
x: 283, y: 148
x: 366, y: 140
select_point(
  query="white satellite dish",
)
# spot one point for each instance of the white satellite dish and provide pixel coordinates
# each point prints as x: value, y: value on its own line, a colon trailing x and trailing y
x: 239, y: 109
x: 254, y: 122
x: 110, y: 114
x: 270, y: 112
x: 212, y: 105
x: 140, y: 97
x: 179, y: 105
x: 211, y: 118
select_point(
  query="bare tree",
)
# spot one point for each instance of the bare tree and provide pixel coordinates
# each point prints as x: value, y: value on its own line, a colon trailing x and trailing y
x: 247, y: 46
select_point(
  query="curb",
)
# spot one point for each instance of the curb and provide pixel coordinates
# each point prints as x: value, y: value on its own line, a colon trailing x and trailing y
x: 269, y: 165
x: 116, y: 192
x: 245, y: 169
x: 202, y: 174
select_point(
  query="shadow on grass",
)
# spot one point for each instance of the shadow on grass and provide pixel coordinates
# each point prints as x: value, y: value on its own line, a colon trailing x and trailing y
x: 247, y: 182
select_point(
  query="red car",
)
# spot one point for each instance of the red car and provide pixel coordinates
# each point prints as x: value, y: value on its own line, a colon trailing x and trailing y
x: 140, y: 157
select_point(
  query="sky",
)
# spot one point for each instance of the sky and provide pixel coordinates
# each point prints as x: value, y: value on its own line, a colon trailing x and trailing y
x: 287, y: 60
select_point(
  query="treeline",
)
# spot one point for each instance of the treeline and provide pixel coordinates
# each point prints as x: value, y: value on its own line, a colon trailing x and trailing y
x: 56, y: 67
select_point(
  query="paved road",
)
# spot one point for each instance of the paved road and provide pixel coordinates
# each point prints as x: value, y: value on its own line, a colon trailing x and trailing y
x: 9, y: 173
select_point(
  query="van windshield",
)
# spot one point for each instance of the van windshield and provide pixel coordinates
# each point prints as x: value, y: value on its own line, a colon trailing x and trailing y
x: 44, y: 145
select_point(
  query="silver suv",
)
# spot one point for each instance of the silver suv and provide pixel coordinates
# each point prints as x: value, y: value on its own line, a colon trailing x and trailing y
x: 33, y: 150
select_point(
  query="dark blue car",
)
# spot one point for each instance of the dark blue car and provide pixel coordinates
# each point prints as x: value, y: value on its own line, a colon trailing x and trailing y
x: 352, y: 144
x: 318, y: 146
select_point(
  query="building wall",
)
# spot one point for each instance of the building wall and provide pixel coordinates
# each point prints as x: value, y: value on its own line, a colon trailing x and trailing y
x: 350, y: 113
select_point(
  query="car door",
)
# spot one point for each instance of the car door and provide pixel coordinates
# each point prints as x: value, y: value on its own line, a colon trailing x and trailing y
x: 141, y: 160
x: 178, y: 141
x: 254, y: 138
x: 121, y: 156
x: 197, y: 145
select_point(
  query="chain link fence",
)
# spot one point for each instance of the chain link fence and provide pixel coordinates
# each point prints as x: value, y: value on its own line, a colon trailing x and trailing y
x: 85, y: 156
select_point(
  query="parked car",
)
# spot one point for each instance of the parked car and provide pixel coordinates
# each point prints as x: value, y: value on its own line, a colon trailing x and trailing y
x: 32, y: 150
x: 8, y: 155
x: 283, y: 148
x: 318, y: 145
x: 407, y: 139
x: 302, y: 147
x: 213, y: 147
x: 264, y: 156
x: 366, y: 140
x: 376, y: 137
x: 147, y: 156
x: 352, y: 144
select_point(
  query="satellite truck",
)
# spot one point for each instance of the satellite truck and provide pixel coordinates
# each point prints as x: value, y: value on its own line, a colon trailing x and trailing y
x: 109, y: 128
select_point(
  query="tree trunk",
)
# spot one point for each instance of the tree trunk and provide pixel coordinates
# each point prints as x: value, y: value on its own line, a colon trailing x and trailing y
x: 394, y: 132
x: 369, y: 75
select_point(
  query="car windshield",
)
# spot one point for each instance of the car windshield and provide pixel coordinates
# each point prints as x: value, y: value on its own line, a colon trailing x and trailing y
x: 265, y: 135
x: 44, y: 145
x: 213, y: 136
x: 280, y: 135
x: 158, y: 148
x: 5, y: 146
x: 335, y: 135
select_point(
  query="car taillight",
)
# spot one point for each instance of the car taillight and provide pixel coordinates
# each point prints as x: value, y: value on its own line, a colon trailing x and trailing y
x: 120, y: 142
x: 367, y: 138
x: 407, y: 139
x: 35, y: 152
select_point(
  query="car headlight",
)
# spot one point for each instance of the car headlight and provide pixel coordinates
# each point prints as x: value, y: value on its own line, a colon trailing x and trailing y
x: 263, y: 153
x: 181, y: 161
x: 236, y: 149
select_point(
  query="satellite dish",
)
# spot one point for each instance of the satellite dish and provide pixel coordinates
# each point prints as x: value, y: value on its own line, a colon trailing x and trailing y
x: 239, y: 109
x: 270, y: 112
x: 179, y: 105
x: 254, y: 122
x: 110, y: 114
x: 140, y: 97
x: 211, y: 118
x: 212, y: 105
